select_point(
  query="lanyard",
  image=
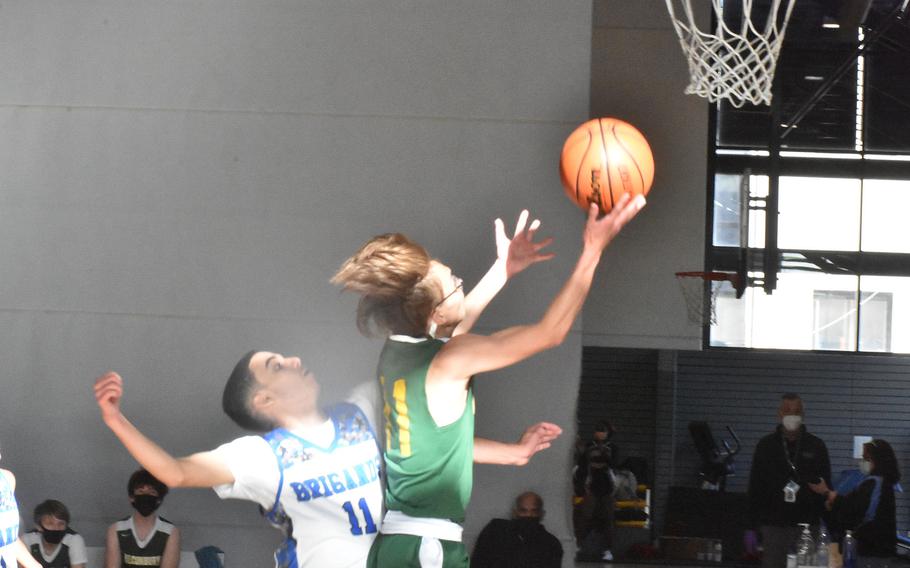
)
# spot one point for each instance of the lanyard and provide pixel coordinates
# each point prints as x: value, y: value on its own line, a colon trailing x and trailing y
x: 799, y: 442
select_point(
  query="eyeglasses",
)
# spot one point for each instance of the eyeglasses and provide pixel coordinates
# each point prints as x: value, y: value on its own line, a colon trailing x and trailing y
x: 458, y: 285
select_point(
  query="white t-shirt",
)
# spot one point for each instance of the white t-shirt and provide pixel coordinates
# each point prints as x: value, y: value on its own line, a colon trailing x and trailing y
x: 73, y: 542
x: 329, y: 483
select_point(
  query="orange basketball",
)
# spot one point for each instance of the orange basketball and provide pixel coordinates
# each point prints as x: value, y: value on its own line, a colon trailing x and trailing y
x: 604, y: 158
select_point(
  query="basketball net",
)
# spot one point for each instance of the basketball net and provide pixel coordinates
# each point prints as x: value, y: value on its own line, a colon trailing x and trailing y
x: 700, y: 291
x: 737, y: 65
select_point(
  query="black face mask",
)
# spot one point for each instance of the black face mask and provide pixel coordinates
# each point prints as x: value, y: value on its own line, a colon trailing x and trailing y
x: 146, y: 504
x: 52, y: 537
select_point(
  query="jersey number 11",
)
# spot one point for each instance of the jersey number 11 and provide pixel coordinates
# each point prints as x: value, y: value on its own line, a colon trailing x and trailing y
x: 370, y: 527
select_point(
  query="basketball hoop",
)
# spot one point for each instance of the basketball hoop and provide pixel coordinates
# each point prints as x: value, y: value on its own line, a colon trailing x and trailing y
x: 701, y: 301
x: 735, y: 63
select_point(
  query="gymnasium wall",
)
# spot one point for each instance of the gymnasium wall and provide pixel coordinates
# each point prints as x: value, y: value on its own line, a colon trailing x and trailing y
x: 180, y: 180
x: 638, y: 73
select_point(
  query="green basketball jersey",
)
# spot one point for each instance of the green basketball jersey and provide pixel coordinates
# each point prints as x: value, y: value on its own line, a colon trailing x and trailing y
x: 429, y: 470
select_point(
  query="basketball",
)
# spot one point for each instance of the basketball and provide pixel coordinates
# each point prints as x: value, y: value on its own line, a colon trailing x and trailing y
x: 602, y: 159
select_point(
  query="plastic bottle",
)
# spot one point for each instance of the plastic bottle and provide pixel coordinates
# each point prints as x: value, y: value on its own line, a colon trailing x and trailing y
x: 805, y: 548
x: 718, y: 551
x: 821, y: 551
x: 849, y: 550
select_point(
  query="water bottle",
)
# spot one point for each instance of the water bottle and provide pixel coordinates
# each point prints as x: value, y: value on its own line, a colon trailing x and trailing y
x: 821, y: 553
x: 805, y: 548
x: 849, y: 550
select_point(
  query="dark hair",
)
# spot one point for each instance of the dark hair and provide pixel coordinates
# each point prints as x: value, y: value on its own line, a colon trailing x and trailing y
x: 142, y: 477
x: 53, y: 508
x: 390, y: 274
x: 884, y: 462
x: 239, y: 389
x: 603, y: 426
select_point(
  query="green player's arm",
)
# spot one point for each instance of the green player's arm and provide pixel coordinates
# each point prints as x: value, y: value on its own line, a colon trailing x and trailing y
x: 469, y: 354
x: 202, y: 469
x: 535, y: 439
x: 512, y: 256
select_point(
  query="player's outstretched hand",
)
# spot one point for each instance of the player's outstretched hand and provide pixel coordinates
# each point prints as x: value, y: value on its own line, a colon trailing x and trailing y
x: 108, y: 392
x: 600, y: 230
x: 520, y: 251
x: 537, y: 438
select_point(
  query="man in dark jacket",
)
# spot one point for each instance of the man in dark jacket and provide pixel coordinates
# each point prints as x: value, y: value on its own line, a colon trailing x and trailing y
x: 521, y: 542
x: 785, y: 462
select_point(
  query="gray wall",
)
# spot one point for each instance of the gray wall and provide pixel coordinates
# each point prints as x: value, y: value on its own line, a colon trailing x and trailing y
x: 638, y: 74
x: 180, y: 179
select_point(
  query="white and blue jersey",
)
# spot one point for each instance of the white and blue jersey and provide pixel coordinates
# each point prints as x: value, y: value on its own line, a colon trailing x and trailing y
x: 321, y: 486
x: 9, y: 523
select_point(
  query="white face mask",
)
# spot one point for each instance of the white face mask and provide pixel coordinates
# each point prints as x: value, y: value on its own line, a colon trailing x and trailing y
x: 792, y: 422
x: 865, y: 466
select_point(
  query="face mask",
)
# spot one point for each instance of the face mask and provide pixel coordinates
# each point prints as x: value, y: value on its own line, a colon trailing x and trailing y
x: 146, y: 504
x: 865, y: 466
x: 792, y: 422
x: 52, y: 537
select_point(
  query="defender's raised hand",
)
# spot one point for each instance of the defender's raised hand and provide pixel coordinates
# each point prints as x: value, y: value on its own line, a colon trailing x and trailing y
x: 108, y: 392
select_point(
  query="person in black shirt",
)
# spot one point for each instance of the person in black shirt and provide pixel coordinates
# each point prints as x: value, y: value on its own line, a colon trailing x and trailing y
x: 521, y: 542
x: 784, y: 464
x: 53, y: 542
x: 595, y: 478
x: 869, y: 509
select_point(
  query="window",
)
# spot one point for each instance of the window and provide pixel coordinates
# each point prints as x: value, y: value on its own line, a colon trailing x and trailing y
x: 810, y: 196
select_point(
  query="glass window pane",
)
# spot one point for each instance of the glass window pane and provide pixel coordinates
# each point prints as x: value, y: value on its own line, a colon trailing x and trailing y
x: 885, y: 206
x: 834, y: 326
x: 727, y: 210
x: 758, y: 189
x: 885, y: 314
x: 790, y: 318
x: 819, y: 214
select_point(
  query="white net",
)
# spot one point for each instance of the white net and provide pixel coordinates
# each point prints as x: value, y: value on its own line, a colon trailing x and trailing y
x: 700, y: 291
x: 733, y: 63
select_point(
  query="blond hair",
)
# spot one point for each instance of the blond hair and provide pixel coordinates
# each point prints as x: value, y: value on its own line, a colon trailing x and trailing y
x: 389, y: 272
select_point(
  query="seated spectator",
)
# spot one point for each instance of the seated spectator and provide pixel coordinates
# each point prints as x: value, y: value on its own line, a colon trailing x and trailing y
x: 521, y: 542
x: 869, y: 509
x: 595, y: 473
x: 52, y: 542
x: 143, y: 539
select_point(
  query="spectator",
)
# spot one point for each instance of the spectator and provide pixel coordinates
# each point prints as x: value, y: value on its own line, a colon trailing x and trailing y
x: 521, y: 542
x: 594, y: 472
x: 52, y: 542
x: 869, y: 509
x: 143, y: 539
x: 785, y: 462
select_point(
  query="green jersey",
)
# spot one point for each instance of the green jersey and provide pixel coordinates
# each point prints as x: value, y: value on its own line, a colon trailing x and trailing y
x: 429, y: 469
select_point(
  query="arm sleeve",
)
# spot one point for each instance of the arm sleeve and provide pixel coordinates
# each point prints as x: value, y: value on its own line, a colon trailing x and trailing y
x: 78, y: 554
x: 255, y: 470
x: 756, y: 490
x: 483, y: 556
x: 850, y: 509
x: 824, y: 463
